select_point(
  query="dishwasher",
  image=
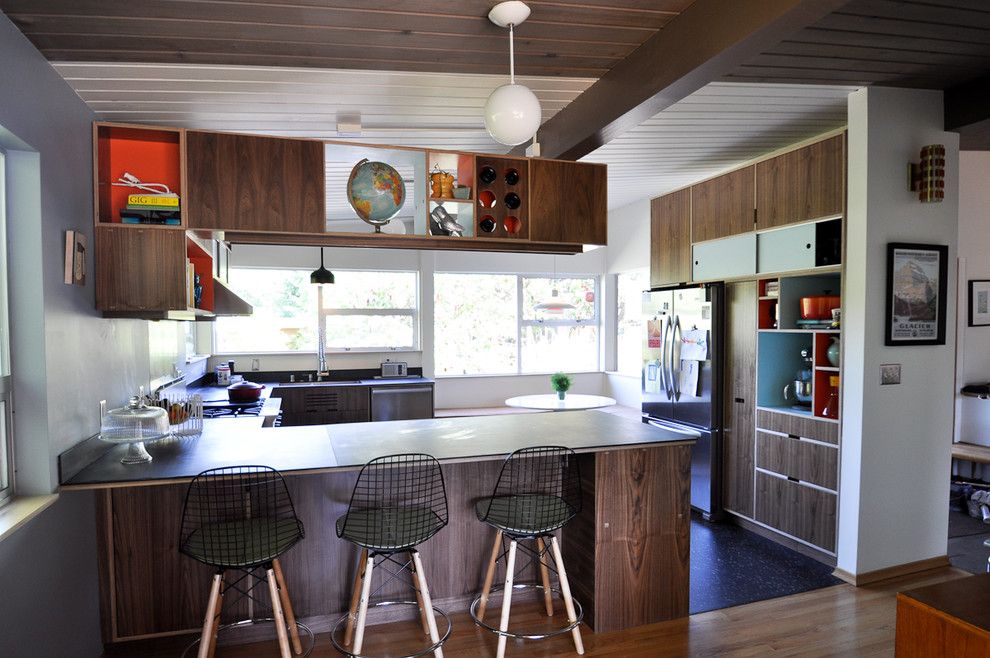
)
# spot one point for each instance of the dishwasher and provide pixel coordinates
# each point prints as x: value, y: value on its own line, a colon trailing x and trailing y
x: 401, y: 402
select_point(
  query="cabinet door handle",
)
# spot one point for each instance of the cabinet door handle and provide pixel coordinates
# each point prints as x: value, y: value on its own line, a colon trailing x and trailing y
x: 739, y: 401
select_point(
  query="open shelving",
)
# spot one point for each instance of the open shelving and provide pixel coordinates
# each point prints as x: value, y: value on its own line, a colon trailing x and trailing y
x: 153, y: 155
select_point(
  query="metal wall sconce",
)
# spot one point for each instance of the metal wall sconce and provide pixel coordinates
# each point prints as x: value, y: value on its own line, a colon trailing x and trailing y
x: 927, y: 177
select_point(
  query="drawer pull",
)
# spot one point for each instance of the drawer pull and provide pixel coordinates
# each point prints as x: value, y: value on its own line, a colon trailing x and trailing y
x: 740, y: 401
x: 791, y: 479
x: 794, y: 436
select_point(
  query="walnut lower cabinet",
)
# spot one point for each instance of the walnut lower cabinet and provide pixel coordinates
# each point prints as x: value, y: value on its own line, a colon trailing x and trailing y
x: 740, y: 397
x: 324, y: 405
x: 140, y: 270
x: 626, y: 552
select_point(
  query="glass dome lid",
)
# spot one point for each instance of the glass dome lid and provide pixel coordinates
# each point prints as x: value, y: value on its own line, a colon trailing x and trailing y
x: 135, y: 424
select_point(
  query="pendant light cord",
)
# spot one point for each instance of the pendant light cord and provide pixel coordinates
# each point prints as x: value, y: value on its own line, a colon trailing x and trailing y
x: 512, y: 58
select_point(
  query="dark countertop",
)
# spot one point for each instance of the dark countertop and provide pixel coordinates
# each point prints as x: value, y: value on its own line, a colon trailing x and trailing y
x: 316, y: 448
x: 214, y: 393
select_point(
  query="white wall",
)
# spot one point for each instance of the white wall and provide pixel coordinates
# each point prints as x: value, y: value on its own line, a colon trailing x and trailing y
x: 973, y: 363
x: 895, y: 439
x: 65, y: 357
x: 628, y: 249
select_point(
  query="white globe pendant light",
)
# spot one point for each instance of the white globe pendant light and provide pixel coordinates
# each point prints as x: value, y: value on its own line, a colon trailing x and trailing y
x: 512, y: 112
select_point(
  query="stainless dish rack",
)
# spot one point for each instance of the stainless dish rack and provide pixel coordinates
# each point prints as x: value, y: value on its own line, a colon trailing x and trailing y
x: 185, y: 413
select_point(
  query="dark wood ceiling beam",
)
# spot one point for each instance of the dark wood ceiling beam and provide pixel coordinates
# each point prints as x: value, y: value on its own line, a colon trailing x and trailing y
x: 967, y: 104
x: 704, y: 43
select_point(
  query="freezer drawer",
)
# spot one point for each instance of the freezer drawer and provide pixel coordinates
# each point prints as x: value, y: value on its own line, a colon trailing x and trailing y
x: 401, y: 402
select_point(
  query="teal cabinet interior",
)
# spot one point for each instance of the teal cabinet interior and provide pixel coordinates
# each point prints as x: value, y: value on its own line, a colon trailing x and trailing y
x: 727, y: 258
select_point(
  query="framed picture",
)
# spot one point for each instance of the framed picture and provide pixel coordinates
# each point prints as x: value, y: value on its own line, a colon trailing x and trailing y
x: 917, y: 278
x: 979, y: 303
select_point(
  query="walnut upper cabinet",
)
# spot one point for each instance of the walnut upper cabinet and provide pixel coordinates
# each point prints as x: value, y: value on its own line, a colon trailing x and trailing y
x: 567, y: 202
x: 723, y: 206
x: 140, y: 270
x: 249, y: 183
x: 670, y: 238
x: 802, y: 185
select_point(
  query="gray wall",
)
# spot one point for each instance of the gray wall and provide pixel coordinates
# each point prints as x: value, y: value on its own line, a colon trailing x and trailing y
x: 65, y: 357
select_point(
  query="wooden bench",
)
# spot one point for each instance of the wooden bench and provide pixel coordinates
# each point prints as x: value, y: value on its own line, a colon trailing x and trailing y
x: 971, y: 452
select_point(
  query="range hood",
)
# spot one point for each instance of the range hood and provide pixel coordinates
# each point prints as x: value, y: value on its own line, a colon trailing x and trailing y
x: 227, y: 303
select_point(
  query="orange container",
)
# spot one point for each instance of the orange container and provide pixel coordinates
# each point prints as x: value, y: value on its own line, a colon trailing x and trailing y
x: 819, y: 307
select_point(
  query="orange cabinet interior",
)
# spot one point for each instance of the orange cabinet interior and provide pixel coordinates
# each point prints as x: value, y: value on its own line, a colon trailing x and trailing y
x: 202, y: 264
x: 153, y: 155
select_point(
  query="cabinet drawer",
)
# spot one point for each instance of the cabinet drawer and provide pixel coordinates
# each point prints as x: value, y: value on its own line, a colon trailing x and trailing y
x: 806, y: 427
x: 796, y: 509
x: 724, y: 259
x: 786, y: 249
x: 802, y: 460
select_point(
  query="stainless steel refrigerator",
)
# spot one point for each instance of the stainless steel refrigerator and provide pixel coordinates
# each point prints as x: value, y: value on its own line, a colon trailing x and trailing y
x: 682, y: 340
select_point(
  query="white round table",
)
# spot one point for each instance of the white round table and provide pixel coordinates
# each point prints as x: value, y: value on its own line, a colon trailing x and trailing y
x: 550, y: 402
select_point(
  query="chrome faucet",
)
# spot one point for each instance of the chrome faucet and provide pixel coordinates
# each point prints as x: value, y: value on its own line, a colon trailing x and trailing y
x: 322, y: 369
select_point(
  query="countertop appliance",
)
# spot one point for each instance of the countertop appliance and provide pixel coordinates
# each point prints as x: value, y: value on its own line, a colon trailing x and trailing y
x: 682, y: 378
x: 395, y: 369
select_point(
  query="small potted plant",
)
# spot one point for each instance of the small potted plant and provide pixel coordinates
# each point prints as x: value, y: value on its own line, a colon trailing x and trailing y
x: 560, y: 383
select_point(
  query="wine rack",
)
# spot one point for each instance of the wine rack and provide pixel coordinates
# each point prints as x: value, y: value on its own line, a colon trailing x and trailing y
x: 502, y: 198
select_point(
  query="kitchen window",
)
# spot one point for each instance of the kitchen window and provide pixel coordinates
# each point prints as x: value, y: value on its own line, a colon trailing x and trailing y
x: 6, y: 418
x: 628, y: 334
x: 363, y: 311
x: 488, y: 324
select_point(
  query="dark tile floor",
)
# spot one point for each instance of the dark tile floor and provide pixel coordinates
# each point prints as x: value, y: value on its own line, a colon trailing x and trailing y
x: 966, y: 537
x: 731, y: 566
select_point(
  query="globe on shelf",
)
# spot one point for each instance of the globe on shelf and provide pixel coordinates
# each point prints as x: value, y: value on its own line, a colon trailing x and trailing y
x: 376, y: 191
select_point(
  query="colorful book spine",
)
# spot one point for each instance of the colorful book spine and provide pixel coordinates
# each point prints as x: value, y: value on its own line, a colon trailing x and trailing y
x: 156, y: 201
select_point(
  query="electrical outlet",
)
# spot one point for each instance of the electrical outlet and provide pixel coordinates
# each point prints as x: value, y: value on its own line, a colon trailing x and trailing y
x: 255, y: 365
x: 890, y: 374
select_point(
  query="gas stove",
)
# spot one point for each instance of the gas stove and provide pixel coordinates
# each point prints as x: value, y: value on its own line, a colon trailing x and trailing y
x: 228, y: 410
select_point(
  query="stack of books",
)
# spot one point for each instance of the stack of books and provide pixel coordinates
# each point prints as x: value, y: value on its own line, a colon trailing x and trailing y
x: 151, y: 209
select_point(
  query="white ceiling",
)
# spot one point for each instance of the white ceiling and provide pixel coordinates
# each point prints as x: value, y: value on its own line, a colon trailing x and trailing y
x: 710, y: 131
x: 440, y: 110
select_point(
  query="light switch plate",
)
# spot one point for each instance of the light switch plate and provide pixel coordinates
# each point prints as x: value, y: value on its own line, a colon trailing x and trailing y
x: 890, y: 374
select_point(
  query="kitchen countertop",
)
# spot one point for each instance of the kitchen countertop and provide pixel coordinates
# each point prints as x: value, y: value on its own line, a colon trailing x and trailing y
x: 320, y: 448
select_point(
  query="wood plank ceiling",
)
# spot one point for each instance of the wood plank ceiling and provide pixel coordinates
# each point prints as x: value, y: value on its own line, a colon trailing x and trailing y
x: 712, y: 130
x: 933, y: 44
x: 577, y: 38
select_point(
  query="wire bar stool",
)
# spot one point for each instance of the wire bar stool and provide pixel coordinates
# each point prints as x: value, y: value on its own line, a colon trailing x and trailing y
x: 537, y: 493
x: 398, y: 502
x: 241, y: 519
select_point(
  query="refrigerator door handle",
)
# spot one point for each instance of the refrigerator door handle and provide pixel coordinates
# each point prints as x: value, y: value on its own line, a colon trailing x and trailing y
x: 664, y: 364
x: 675, y: 372
x: 676, y: 430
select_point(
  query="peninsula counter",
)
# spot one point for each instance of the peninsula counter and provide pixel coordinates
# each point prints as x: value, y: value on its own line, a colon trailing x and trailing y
x: 627, y: 551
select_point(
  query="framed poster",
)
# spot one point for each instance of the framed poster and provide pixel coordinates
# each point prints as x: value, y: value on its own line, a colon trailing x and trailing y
x: 917, y: 277
x: 979, y: 303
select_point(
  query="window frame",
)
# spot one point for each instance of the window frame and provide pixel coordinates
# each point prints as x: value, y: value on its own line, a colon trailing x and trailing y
x: 6, y: 378
x: 521, y: 323
x: 322, y: 314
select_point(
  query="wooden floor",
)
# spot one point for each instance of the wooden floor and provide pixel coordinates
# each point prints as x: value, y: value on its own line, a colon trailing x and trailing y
x: 840, y: 620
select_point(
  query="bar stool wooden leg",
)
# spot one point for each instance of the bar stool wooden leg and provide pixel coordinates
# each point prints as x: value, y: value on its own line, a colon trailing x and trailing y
x: 290, y: 616
x: 565, y: 590
x: 209, y: 620
x: 419, y: 596
x: 427, y: 604
x: 545, y: 577
x: 216, y: 619
x: 279, y: 614
x: 355, y: 597
x: 489, y: 576
x: 510, y: 566
x: 363, y: 605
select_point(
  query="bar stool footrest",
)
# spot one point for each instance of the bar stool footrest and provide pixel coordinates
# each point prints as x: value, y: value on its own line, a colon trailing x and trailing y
x: 304, y: 631
x: 578, y: 611
x: 383, y: 604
